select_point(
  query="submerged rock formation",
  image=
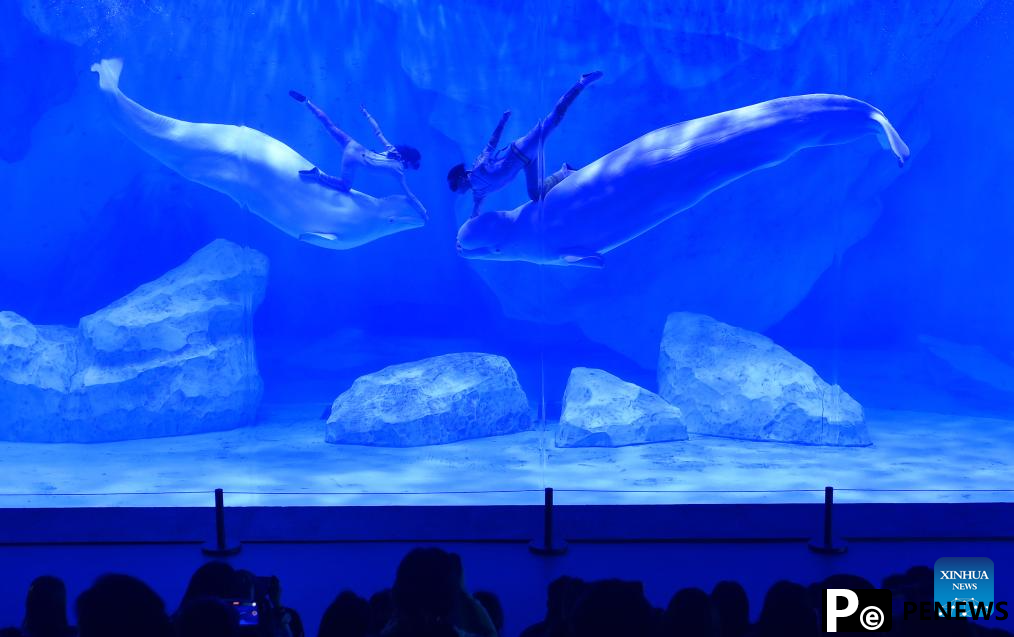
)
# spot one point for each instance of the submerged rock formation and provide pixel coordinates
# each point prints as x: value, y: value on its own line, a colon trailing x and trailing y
x: 739, y: 384
x: 432, y: 401
x: 601, y: 410
x: 175, y: 356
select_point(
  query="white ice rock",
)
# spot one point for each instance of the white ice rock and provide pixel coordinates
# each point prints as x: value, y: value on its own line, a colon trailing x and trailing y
x: 175, y: 356
x: 432, y: 401
x: 739, y: 384
x: 36, y: 368
x: 601, y: 410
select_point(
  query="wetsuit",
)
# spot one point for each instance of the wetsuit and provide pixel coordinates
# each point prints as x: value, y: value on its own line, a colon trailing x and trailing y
x: 493, y: 169
x: 355, y: 154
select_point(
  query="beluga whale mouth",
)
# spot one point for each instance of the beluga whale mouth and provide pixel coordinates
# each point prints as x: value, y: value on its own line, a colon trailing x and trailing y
x: 472, y: 253
x: 636, y: 187
x: 259, y: 172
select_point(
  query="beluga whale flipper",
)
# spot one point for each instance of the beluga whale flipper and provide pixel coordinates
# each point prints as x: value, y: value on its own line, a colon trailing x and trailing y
x: 629, y: 191
x: 259, y: 172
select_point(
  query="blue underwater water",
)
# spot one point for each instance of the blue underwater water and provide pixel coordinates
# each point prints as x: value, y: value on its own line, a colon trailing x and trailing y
x: 892, y: 283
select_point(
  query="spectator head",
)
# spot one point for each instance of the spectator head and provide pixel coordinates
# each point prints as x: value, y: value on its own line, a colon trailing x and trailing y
x: 491, y: 603
x: 46, y: 608
x: 206, y: 617
x: 920, y: 582
x: 732, y: 609
x: 426, y: 587
x: 689, y: 614
x: 121, y: 606
x: 293, y: 622
x: 920, y: 573
x: 916, y: 584
x: 347, y: 616
x: 609, y: 608
x: 900, y: 592
x: 246, y: 585
x: 212, y: 579
x: 11, y: 631
x: 381, y: 610
x: 895, y: 582
x: 563, y: 594
x: 840, y: 580
x: 787, y: 612
x: 273, y: 589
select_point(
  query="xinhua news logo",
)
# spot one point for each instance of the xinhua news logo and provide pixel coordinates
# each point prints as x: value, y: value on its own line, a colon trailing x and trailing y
x: 963, y: 585
x: 857, y: 611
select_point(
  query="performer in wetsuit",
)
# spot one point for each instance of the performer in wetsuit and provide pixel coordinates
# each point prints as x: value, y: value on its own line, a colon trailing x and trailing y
x: 394, y: 160
x: 494, y: 169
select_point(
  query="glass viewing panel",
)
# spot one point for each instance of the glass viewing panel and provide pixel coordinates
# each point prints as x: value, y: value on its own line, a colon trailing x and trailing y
x: 451, y: 252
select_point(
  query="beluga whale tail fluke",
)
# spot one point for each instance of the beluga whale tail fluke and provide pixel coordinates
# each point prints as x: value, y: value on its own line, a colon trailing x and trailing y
x: 889, y: 137
x: 257, y: 171
x: 629, y: 191
x: 109, y: 73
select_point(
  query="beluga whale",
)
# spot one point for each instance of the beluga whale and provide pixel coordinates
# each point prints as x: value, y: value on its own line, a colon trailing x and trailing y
x: 629, y: 191
x: 257, y: 171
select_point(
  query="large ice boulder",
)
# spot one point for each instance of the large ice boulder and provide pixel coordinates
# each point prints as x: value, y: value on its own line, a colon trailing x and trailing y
x: 37, y: 364
x: 175, y: 356
x: 432, y: 401
x: 601, y: 410
x: 736, y: 383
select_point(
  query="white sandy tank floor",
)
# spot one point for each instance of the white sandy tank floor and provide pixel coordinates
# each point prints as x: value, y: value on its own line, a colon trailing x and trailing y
x: 916, y: 457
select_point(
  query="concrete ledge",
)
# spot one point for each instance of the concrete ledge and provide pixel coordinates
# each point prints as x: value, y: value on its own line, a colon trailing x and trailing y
x: 622, y: 523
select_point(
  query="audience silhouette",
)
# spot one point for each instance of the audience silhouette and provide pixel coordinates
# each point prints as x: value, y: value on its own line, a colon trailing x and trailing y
x: 689, y: 614
x: 206, y: 617
x: 349, y: 615
x: 731, y: 606
x: 46, y: 609
x: 121, y: 606
x: 430, y: 599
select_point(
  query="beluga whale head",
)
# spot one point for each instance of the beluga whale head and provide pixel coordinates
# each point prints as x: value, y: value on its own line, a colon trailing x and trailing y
x: 396, y: 216
x: 492, y: 236
x: 344, y: 226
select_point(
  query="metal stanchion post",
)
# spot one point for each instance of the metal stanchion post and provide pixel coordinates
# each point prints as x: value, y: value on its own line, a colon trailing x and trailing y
x: 828, y: 545
x: 548, y: 545
x: 220, y: 547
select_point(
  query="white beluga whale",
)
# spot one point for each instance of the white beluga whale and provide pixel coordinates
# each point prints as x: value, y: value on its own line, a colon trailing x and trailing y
x: 629, y: 191
x: 259, y: 172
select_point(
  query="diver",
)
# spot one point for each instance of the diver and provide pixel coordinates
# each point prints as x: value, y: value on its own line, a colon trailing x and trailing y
x: 493, y: 169
x: 394, y: 160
